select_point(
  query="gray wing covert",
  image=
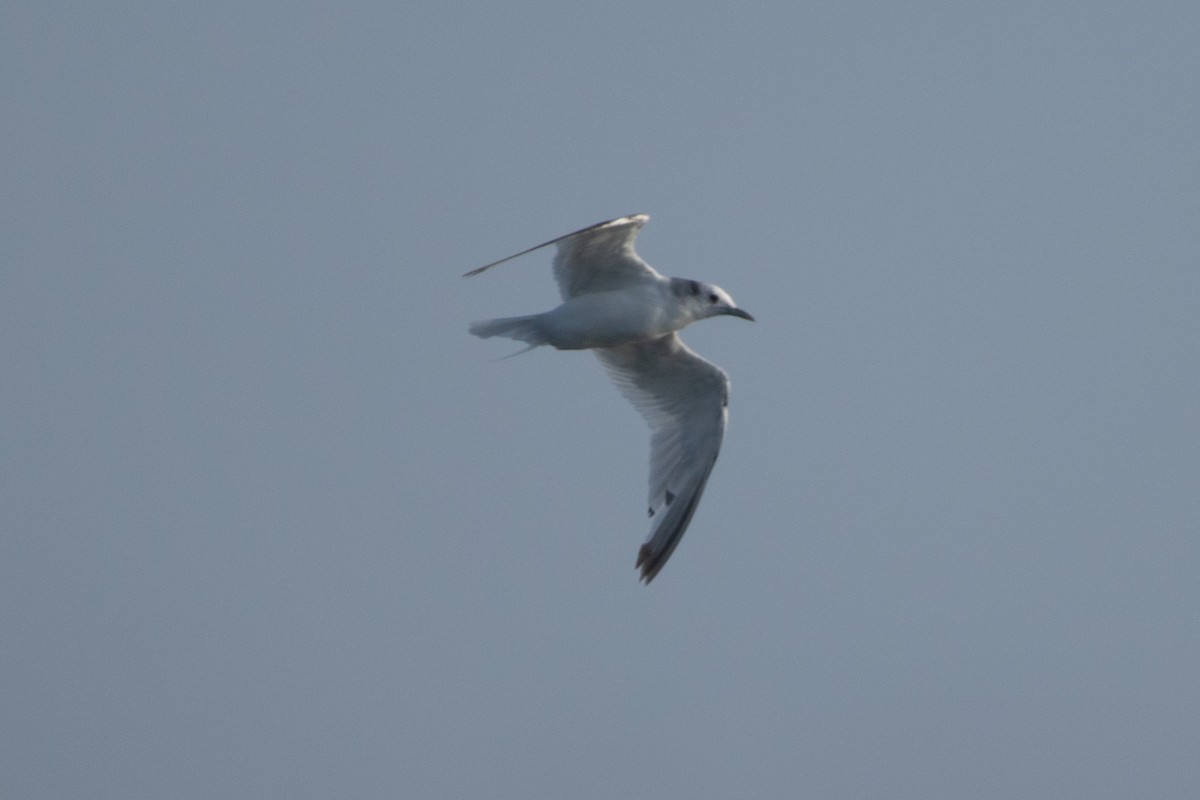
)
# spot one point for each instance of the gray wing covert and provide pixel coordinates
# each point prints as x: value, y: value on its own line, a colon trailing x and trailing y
x: 601, y: 258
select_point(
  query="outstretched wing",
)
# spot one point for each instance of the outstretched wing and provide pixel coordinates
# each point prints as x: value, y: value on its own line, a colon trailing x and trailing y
x: 597, y: 258
x: 683, y: 399
x: 601, y: 258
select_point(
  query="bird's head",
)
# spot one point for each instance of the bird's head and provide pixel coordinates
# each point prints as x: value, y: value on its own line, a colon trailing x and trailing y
x: 708, y: 300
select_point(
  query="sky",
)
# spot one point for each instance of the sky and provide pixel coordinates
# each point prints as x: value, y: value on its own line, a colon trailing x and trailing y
x: 276, y: 526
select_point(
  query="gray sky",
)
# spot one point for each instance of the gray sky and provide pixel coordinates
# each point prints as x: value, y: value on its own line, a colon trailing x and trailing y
x: 276, y: 526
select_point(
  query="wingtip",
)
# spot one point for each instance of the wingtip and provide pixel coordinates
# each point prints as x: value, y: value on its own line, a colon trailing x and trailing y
x: 649, y: 566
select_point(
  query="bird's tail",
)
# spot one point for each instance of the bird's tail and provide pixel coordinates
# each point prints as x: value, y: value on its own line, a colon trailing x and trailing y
x: 523, y: 329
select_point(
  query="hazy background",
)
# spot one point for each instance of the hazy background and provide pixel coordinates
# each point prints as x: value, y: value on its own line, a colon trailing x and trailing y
x: 276, y: 526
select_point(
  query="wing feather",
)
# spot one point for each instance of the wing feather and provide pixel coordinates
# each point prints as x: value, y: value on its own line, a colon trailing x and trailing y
x: 601, y: 258
x: 683, y: 399
x: 598, y: 258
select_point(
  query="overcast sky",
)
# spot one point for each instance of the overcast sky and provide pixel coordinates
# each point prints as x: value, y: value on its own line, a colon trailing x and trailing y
x: 275, y: 526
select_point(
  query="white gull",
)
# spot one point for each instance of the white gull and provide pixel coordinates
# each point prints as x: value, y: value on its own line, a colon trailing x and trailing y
x: 615, y: 304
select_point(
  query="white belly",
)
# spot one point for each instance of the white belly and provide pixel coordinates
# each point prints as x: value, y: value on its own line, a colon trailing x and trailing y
x: 606, y: 319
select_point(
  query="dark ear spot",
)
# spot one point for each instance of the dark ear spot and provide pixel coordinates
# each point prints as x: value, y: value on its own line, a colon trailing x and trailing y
x: 694, y: 287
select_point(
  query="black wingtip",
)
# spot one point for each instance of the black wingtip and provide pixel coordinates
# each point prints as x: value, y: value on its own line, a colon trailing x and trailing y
x: 649, y: 565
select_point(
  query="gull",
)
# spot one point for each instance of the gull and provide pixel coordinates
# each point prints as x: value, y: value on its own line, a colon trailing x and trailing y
x: 628, y: 314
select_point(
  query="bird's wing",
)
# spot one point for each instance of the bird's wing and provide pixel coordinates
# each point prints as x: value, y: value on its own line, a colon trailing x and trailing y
x: 601, y: 258
x: 597, y: 258
x: 683, y: 398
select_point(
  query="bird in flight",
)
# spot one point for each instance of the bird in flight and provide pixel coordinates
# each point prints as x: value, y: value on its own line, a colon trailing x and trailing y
x: 628, y: 314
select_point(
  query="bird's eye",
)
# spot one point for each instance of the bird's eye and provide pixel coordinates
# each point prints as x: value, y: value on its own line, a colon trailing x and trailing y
x: 712, y: 298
